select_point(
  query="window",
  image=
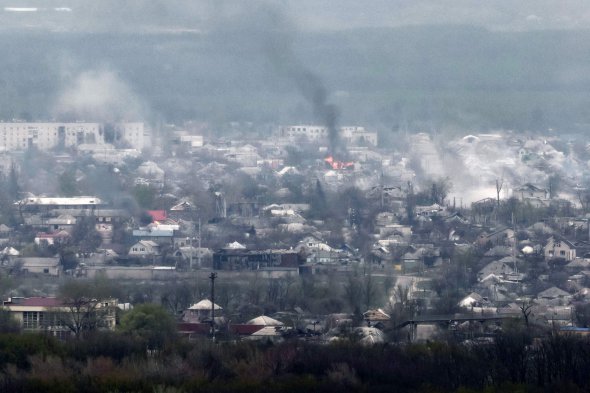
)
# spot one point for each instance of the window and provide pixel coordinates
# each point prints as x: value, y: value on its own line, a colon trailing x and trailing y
x: 46, y: 271
x: 33, y: 319
x: 562, y: 253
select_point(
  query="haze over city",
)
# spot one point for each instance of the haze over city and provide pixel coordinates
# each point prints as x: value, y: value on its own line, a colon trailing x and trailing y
x: 294, y: 195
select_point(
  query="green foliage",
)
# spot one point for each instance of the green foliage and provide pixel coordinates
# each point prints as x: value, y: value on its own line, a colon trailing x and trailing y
x: 319, y: 208
x: 67, y: 184
x: 144, y: 196
x: 7, y: 323
x: 85, y: 235
x: 150, y: 322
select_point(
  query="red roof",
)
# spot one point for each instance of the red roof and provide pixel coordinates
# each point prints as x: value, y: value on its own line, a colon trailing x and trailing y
x: 38, y: 302
x: 205, y: 328
x: 158, y: 215
x: 199, y: 328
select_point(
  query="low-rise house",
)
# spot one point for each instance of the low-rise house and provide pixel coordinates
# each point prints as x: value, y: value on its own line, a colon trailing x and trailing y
x: 160, y: 236
x: 429, y: 211
x: 501, y: 269
x: 264, y: 320
x: 553, y: 296
x: 40, y: 266
x: 63, y: 222
x: 529, y: 190
x: 560, y: 248
x: 201, y: 311
x: 60, y: 317
x: 49, y: 239
x: 578, y: 264
x: 144, y: 248
x: 473, y: 300
x: 376, y: 316
x: 503, y: 236
x: 311, y: 243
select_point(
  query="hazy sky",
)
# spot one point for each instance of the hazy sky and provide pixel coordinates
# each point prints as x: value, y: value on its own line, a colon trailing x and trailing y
x: 306, y: 14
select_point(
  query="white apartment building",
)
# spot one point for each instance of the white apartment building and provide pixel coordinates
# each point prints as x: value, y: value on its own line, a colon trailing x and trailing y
x: 312, y: 133
x: 351, y: 135
x: 132, y: 133
x: 44, y: 136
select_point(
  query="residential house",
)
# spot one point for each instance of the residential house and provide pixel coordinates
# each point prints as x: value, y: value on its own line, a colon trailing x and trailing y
x: 49, y: 239
x: 160, y: 236
x: 63, y: 222
x: 201, y: 311
x: 503, y: 236
x: 560, y: 248
x: 528, y: 191
x: 36, y: 265
x: 477, y: 303
x: 144, y: 248
x: 502, y: 269
x: 553, y: 296
x: 376, y: 316
x: 311, y: 243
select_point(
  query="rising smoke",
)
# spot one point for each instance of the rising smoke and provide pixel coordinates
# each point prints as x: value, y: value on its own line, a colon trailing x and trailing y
x: 98, y: 95
x: 275, y: 33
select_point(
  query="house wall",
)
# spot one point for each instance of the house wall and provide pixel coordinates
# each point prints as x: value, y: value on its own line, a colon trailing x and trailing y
x: 45, y: 270
x: 557, y: 249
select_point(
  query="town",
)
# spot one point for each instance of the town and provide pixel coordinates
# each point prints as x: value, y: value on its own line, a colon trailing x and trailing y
x: 303, y: 234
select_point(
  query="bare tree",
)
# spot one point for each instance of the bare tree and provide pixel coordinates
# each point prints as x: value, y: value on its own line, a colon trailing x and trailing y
x: 401, y: 295
x: 526, y: 308
x: 81, y: 310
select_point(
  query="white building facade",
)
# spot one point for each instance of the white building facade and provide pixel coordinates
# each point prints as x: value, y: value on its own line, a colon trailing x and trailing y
x: 45, y: 136
x: 351, y: 135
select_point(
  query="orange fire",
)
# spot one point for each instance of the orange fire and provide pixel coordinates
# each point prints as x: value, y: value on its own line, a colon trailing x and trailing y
x: 337, y: 165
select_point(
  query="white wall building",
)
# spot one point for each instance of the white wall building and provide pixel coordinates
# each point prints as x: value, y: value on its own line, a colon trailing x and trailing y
x: 44, y: 136
x: 351, y: 135
x: 132, y: 133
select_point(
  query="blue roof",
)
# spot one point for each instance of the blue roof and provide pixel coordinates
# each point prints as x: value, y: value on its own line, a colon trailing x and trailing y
x: 574, y: 329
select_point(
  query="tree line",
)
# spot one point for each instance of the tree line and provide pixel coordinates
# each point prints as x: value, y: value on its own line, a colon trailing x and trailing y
x: 121, y: 361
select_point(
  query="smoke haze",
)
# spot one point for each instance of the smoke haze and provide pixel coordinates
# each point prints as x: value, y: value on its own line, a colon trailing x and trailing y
x: 98, y: 95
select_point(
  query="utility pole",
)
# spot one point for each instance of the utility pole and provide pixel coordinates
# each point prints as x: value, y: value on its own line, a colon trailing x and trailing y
x: 190, y: 264
x: 199, y: 251
x: 212, y: 277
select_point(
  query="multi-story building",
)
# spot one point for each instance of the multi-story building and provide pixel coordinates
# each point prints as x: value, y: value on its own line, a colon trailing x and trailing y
x: 309, y: 132
x: 350, y: 135
x: 44, y: 136
x: 132, y: 133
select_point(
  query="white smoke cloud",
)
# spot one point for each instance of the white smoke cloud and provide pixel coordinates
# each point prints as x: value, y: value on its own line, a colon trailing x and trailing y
x: 98, y: 95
